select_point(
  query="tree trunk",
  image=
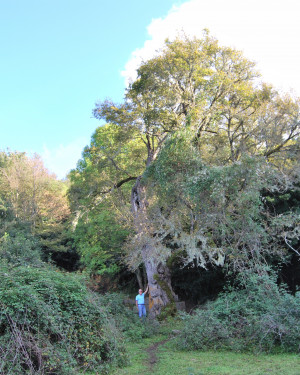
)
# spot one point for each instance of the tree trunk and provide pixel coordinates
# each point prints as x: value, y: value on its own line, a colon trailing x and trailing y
x: 160, y: 290
x: 159, y: 277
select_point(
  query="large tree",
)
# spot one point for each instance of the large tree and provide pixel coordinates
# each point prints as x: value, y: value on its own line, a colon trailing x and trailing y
x: 34, y: 199
x: 213, y: 93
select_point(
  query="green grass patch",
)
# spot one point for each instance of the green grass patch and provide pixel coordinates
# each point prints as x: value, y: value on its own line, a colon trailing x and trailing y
x: 138, y: 356
x: 176, y: 362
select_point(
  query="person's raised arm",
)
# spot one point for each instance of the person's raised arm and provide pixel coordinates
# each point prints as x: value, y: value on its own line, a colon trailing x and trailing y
x: 147, y: 289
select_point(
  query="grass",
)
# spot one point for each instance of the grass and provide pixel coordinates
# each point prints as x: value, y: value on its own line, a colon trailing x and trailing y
x: 174, y: 362
x: 171, y: 361
x: 139, y: 357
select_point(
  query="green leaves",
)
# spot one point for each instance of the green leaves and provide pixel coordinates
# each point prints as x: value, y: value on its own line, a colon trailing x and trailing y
x: 199, y: 128
x: 52, y: 316
x: 115, y: 154
x: 20, y: 248
x: 212, y: 213
x: 99, y: 241
x: 257, y: 316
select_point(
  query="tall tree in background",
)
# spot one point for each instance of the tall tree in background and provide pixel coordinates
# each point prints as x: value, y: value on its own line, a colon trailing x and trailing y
x: 33, y: 197
x: 212, y: 92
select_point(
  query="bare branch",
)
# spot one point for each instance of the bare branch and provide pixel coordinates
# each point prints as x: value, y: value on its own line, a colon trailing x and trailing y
x: 119, y: 184
x: 291, y: 247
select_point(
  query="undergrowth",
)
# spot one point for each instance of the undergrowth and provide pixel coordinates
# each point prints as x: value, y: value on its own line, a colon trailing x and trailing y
x: 257, y: 316
x: 50, y: 323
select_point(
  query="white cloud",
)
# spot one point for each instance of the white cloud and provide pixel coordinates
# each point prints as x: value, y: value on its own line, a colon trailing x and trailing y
x: 62, y: 159
x: 267, y: 31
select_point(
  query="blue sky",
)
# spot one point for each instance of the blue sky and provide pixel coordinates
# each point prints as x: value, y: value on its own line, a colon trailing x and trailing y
x: 59, y: 57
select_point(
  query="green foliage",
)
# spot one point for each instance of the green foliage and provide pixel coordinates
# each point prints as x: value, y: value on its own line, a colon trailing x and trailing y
x: 209, y: 213
x: 199, y: 130
x: 257, y: 316
x: 115, y: 154
x: 284, y: 206
x: 174, y: 361
x: 101, y: 206
x: 32, y: 198
x: 127, y: 320
x: 20, y: 247
x: 31, y: 193
x: 99, y: 241
x: 50, y: 323
x: 178, y: 160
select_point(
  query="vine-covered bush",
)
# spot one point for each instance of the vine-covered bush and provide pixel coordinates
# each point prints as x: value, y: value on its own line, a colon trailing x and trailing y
x: 51, y: 324
x: 257, y: 316
x: 20, y: 247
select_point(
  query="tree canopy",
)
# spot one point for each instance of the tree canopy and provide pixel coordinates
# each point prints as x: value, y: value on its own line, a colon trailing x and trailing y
x: 33, y: 202
x: 192, y: 148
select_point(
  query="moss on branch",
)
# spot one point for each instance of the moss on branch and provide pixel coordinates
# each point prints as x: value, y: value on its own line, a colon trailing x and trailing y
x: 170, y: 308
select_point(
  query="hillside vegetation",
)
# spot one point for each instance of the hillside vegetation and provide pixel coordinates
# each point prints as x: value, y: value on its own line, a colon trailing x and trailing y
x: 191, y: 187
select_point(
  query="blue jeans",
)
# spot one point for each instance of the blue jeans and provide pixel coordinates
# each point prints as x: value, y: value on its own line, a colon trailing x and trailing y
x: 142, y: 310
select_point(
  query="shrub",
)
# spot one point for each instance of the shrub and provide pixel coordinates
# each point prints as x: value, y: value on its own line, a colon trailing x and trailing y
x: 51, y: 324
x: 259, y: 317
x: 20, y: 248
x: 126, y: 320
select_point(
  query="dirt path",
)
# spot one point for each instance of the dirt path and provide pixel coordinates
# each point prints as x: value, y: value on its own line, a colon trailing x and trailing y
x: 152, y: 353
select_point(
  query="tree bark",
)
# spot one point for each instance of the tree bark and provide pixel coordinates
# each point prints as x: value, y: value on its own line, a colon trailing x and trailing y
x: 160, y: 289
x: 159, y: 276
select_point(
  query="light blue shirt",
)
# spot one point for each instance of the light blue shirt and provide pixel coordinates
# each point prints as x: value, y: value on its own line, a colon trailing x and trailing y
x: 140, y: 299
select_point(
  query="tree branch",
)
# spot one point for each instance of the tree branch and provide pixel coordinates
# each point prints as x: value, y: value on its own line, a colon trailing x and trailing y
x: 291, y: 247
x: 119, y: 184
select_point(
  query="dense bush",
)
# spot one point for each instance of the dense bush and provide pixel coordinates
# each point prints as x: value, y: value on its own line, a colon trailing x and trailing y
x: 257, y: 316
x: 20, y: 247
x: 127, y: 319
x: 51, y: 324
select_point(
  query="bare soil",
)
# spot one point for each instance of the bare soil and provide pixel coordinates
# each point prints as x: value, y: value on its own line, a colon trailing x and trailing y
x: 152, y: 353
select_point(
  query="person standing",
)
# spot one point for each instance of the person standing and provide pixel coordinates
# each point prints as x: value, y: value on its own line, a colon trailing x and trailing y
x: 140, y: 302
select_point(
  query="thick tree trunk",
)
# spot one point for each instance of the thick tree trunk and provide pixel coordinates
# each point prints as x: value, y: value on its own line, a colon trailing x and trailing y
x: 159, y: 277
x: 160, y: 289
